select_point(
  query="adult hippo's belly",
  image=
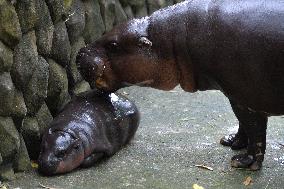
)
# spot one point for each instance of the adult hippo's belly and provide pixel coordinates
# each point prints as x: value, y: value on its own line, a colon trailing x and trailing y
x: 233, y: 46
x: 92, y: 126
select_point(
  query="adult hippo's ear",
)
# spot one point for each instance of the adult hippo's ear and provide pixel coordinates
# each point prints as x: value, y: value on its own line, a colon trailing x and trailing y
x: 145, y: 42
x: 50, y: 131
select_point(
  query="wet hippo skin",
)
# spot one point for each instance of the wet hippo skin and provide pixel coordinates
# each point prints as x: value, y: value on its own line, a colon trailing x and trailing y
x: 236, y: 47
x: 92, y: 126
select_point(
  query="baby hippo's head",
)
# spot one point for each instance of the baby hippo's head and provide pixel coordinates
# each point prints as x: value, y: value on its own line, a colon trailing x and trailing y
x: 61, y: 152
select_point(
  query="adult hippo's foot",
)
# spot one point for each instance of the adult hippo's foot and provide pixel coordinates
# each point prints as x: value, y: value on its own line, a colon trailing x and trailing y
x: 235, y: 141
x: 252, y: 131
x: 247, y: 161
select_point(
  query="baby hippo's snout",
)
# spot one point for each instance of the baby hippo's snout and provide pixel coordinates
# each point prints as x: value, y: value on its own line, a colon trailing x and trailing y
x: 47, y: 164
x: 60, y: 152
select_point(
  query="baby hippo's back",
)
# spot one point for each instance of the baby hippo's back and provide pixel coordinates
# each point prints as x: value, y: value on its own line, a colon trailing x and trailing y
x: 91, y: 126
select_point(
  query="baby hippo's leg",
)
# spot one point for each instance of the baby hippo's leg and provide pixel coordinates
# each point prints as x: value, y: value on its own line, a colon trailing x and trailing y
x: 92, y: 159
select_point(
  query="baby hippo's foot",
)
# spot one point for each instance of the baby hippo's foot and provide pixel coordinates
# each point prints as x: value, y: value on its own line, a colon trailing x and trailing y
x: 247, y: 161
x: 235, y: 141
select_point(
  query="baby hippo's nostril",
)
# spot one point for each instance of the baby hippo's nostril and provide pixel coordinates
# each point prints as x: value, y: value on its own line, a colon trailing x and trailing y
x: 47, y: 168
x: 47, y: 165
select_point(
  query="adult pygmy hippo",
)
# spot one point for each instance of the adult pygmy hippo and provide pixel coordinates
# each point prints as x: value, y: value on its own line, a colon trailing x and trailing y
x: 90, y: 127
x: 235, y: 46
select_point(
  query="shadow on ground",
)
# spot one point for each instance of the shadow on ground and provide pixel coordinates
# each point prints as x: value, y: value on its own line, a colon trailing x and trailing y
x: 178, y: 130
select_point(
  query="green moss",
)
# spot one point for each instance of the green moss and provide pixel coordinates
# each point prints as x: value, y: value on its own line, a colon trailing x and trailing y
x: 10, y: 31
x: 67, y: 4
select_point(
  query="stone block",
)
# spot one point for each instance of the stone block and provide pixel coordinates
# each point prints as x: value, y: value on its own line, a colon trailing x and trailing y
x: 11, y: 100
x: 22, y: 161
x: 108, y: 13
x: 7, y: 91
x: 56, y: 8
x: 36, y: 90
x: 44, y: 29
x: 128, y: 11
x: 61, y: 48
x: 6, y: 58
x: 139, y: 8
x: 94, y: 25
x: 44, y: 118
x: 27, y: 14
x: 31, y: 134
x: 82, y: 86
x: 154, y: 5
x: 120, y: 15
x: 6, y: 172
x: 75, y: 21
x: 10, y: 30
x: 10, y: 140
x: 137, y: 3
x: 178, y: 1
x: 57, y: 95
x: 25, y: 59
x: 76, y: 76
x: 19, y: 109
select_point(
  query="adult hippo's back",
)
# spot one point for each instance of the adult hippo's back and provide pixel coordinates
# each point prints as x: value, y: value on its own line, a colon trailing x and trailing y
x: 233, y: 46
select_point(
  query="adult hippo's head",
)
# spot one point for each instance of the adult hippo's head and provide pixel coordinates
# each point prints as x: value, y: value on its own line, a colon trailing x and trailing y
x: 130, y: 54
x: 61, y: 152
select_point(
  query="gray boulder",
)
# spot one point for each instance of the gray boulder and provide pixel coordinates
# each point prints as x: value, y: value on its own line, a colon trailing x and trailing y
x: 61, y: 48
x: 6, y: 58
x: 10, y: 30
x: 94, y: 27
x: 25, y: 59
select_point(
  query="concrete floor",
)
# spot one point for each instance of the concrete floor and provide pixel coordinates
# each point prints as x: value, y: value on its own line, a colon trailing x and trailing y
x: 178, y: 130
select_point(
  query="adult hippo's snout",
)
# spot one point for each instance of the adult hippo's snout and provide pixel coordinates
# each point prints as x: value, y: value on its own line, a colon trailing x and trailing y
x: 90, y: 65
x: 93, y: 65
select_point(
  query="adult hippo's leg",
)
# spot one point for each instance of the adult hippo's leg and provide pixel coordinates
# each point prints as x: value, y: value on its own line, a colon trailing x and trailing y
x: 239, y: 140
x: 254, y: 124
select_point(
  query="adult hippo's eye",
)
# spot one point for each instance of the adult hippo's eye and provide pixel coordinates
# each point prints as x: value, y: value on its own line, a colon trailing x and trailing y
x: 112, y: 47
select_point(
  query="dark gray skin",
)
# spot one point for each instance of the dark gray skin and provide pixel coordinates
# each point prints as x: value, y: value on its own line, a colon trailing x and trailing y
x: 92, y: 126
x: 236, y: 47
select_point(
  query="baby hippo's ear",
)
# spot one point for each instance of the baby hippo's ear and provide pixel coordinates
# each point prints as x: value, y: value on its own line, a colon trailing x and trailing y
x: 145, y: 42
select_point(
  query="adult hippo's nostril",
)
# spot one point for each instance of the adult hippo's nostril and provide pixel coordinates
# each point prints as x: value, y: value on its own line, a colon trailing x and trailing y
x: 90, y: 65
x: 86, y: 64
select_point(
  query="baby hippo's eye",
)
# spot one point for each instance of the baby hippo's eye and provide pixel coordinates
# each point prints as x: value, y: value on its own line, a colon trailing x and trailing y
x: 76, y: 146
x: 60, y: 153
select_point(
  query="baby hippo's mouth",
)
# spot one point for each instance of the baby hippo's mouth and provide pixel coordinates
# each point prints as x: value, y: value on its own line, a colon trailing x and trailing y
x: 47, y: 165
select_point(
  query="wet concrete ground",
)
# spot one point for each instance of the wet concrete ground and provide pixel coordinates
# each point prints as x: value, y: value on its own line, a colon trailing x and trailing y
x: 178, y: 130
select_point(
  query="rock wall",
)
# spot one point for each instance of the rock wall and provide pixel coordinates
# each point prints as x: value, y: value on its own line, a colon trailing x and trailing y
x: 39, y: 40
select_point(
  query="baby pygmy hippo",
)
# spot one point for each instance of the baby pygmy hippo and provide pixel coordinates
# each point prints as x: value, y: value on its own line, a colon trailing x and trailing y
x: 90, y: 127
